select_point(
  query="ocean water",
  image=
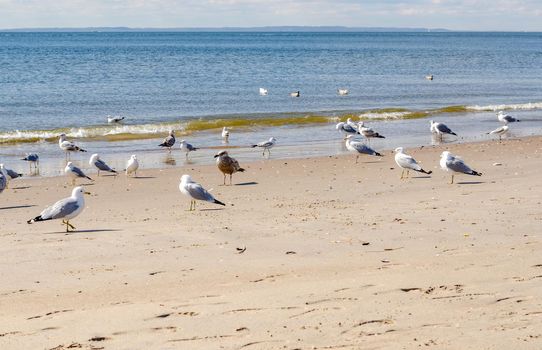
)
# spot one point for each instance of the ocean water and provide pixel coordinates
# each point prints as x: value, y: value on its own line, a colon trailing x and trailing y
x: 195, y: 83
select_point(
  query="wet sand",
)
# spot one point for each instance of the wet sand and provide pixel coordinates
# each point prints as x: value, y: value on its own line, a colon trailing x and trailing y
x: 316, y: 253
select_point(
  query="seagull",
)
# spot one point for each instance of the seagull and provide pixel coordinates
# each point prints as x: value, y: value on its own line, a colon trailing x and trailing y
x: 227, y: 165
x: 455, y: 164
x: 7, y: 176
x: 368, y: 132
x: 115, y: 119
x: 295, y: 94
x: 65, y: 209
x: 506, y: 118
x: 499, y: 131
x: 266, y: 145
x: 13, y: 174
x: 132, y: 165
x: 407, y: 163
x: 74, y: 172
x: 3, y: 182
x: 351, y: 123
x: 68, y: 146
x: 225, y: 134
x: 99, y: 164
x: 193, y: 189
x: 186, y: 147
x: 32, y: 158
x: 169, y: 141
x: 263, y: 92
x: 358, y: 148
x: 342, y: 92
x: 440, y: 129
x: 429, y: 77
x: 346, y: 129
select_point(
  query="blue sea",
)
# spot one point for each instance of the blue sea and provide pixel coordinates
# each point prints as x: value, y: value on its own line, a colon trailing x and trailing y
x: 197, y: 82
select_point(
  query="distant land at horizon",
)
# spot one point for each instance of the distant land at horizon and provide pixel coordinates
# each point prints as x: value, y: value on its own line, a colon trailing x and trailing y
x: 232, y: 29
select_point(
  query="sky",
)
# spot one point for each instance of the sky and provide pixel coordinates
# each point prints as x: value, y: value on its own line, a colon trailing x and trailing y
x: 499, y: 15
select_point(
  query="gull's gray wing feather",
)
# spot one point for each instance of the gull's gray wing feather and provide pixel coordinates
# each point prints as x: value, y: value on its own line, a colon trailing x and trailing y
x: 196, y: 191
x: 100, y: 164
x: 408, y: 162
x: 458, y: 166
x: 60, y: 209
x: 12, y: 174
x: 190, y: 147
x: 265, y: 144
x: 363, y: 148
x: 443, y: 128
x: 349, y: 128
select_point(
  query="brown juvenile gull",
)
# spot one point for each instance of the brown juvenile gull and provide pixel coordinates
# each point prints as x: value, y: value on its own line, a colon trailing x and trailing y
x: 227, y: 165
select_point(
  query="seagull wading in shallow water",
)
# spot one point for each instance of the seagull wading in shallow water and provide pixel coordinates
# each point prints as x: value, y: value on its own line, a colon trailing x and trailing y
x: 227, y: 165
x: 65, y: 209
x: 187, y: 148
x: 406, y: 162
x: 440, y: 129
x: 506, y: 118
x: 368, y: 132
x: 99, y: 164
x: 499, y: 131
x: 132, y: 165
x: 194, y: 190
x: 32, y: 158
x: 449, y: 162
x: 266, y: 145
x: 225, y: 134
x: 346, y: 129
x: 68, y: 146
x: 169, y: 141
x: 358, y: 148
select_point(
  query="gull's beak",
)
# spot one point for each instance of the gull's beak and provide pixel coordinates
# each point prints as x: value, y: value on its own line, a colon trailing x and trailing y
x: 215, y: 156
x: 87, y: 193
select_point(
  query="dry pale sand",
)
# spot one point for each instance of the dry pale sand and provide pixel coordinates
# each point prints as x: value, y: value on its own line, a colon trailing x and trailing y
x: 338, y: 256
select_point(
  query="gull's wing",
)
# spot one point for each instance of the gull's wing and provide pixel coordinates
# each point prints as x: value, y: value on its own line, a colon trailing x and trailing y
x: 60, y: 209
x: 196, y: 191
x: 457, y: 165
x: 407, y: 162
x: 363, y: 148
x: 100, y: 164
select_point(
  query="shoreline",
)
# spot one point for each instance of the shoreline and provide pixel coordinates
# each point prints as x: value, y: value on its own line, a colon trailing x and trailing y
x: 337, y: 255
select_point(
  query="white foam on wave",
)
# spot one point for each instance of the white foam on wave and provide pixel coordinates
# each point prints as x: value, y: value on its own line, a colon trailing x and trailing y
x: 502, y: 107
x: 384, y: 115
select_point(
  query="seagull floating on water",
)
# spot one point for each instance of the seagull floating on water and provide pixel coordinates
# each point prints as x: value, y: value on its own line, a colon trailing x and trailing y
x: 227, y: 164
x: 440, y: 129
x: 266, y: 145
x: 65, y: 209
x: 74, y: 172
x: 132, y: 165
x: 100, y: 165
x: 169, y: 141
x: 187, y: 148
x: 506, y: 118
x: 114, y: 120
x: 455, y: 164
x: 429, y: 77
x: 358, y: 148
x: 194, y: 190
x: 295, y: 94
x: 263, y: 92
x: 407, y: 163
x: 342, y: 92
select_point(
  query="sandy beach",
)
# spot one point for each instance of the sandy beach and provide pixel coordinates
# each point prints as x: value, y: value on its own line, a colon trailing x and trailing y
x: 316, y: 253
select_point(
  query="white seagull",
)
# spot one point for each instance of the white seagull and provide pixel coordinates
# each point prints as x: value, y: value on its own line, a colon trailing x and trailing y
x: 74, y: 172
x: 346, y: 129
x: 68, y: 146
x: 99, y: 164
x: 449, y: 162
x: 266, y: 145
x: 32, y: 158
x: 194, y: 190
x: 295, y: 94
x: 263, y: 92
x: 65, y: 209
x: 114, y: 120
x: 342, y: 92
x: 132, y: 165
x: 225, y: 134
x: 187, y: 148
x: 440, y: 129
x: 358, y: 148
x: 506, y: 118
x: 407, y: 163
x: 499, y: 131
x: 8, y: 174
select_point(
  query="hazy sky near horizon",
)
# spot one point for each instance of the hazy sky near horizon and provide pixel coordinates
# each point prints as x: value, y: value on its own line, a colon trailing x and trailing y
x: 514, y: 15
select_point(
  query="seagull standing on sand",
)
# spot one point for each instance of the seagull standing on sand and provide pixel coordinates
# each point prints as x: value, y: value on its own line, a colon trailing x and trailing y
x: 32, y: 159
x: 132, y: 165
x: 65, y: 209
x: 263, y: 92
x: 99, y: 164
x: 499, y: 131
x: 358, y: 148
x: 440, y: 129
x: 7, y: 175
x: 68, y: 146
x: 74, y: 172
x: 194, y: 190
x: 368, y: 132
x: 449, y: 162
x: 169, y: 141
x: 266, y: 145
x: 407, y: 163
x: 225, y: 134
x: 227, y: 165
x: 346, y: 129
x: 187, y: 148
x: 506, y: 118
